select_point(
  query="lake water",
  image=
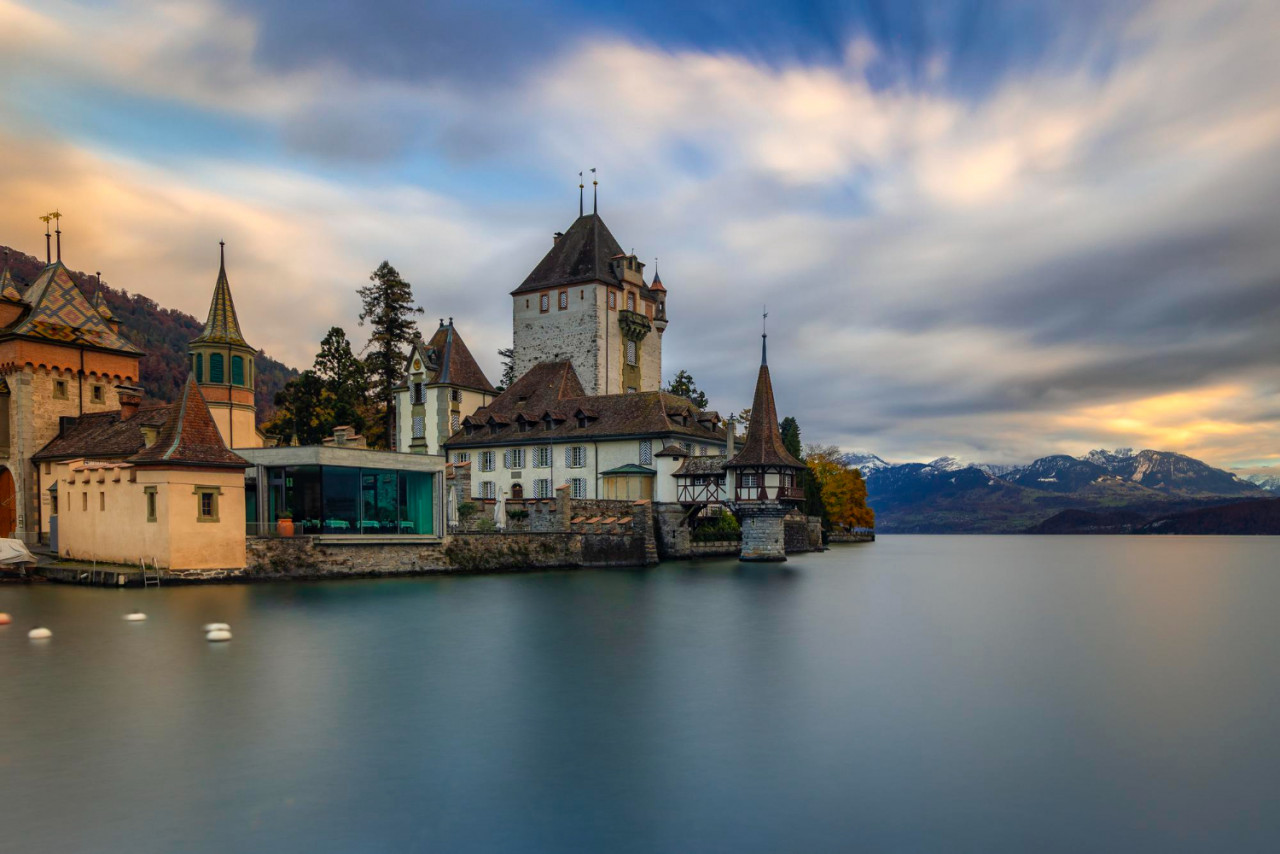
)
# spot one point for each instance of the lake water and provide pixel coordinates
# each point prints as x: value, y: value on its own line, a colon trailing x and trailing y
x: 915, y: 694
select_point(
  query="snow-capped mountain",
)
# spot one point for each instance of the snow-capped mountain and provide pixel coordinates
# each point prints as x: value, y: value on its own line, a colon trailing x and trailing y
x: 950, y: 494
x: 947, y: 464
x: 864, y: 462
x: 1108, y: 459
x: 1269, y: 482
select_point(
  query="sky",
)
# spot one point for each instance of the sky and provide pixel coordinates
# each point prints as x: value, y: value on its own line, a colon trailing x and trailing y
x: 994, y: 229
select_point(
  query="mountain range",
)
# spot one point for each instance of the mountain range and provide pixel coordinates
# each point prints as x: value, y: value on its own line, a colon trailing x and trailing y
x: 1101, y: 491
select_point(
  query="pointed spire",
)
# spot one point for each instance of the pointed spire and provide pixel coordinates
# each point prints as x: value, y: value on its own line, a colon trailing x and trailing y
x: 595, y: 207
x: 764, y: 339
x: 764, y: 446
x: 580, y: 186
x: 57, y: 229
x: 657, y: 278
x: 48, y: 246
x: 222, y: 326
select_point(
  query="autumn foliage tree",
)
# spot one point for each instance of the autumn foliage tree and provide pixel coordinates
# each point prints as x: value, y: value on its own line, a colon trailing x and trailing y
x: 844, y: 493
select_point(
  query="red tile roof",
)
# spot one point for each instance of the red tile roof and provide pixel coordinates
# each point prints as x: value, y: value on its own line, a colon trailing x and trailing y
x: 189, y: 436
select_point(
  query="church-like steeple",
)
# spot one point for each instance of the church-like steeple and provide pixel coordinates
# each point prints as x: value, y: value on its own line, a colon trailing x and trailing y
x: 222, y: 326
x: 222, y: 363
x: 764, y: 446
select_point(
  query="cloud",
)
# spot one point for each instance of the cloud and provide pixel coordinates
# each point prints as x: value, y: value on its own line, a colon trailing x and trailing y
x: 955, y: 260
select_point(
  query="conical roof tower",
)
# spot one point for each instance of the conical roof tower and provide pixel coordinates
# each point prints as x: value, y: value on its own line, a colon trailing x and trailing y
x: 222, y: 363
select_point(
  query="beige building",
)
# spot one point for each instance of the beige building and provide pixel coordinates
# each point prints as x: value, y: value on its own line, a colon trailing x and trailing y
x: 544, y: 432
x: 177, y: 503
x: 587, y: 301
x: 61, y: 357
x: 443, y: 385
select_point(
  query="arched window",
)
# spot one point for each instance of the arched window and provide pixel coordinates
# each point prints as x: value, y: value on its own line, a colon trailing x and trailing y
x: 237, y: 370
x: 216, y: 368
x: 199, y: 367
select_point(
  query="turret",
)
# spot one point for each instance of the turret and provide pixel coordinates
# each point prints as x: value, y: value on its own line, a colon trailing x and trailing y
x: 222, y: 363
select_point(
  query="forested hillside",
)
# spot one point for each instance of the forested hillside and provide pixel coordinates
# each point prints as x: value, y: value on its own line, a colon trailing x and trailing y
x: 161, y: 333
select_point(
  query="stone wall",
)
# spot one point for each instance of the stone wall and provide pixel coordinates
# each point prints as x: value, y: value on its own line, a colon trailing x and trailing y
x: 313, y: 557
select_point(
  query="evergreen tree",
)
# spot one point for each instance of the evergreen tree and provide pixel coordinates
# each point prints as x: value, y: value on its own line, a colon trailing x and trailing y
x: 790, y: 429
x: 508, y: 357
x: 682, y: 384
x: 299, y: 411
x: 388, y: 308
x: 345, y: 381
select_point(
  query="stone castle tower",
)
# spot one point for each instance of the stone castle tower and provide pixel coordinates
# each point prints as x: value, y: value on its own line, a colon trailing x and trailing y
x: 60, y: 357
x: 222, y: 363
x: 587, y: 301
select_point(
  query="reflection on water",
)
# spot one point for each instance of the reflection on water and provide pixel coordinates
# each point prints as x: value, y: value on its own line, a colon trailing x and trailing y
x: 919, y: 693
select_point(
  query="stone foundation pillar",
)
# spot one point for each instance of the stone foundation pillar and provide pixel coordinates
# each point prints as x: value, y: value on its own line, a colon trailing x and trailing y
x: 763, y: 533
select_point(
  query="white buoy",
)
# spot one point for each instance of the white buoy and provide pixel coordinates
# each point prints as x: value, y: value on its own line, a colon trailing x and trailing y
x: 40, y: 633
x: 217, y: 627
x: 218, y: 635
x: 135, y: 617
x: 5, y: 619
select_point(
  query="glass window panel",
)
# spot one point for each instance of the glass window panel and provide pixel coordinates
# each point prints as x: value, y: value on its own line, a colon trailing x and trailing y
x: 237, y: 370
x: 215, y: 367
x: 416, y: 516
x: 341, y: 494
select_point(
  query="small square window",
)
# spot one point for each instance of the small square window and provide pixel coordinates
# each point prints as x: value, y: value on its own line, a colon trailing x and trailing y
x: 207, y: 503
x: 59, y: 389
x: 97, y: 393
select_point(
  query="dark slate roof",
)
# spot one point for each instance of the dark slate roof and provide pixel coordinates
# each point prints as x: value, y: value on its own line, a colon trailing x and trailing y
x: 702, y: 465
x: 582, y: 255
x: 454, y: 363
x: 763, y: 446
x: 61, y: 312
x: 672, y: 450
x: 189, y: 437
x: 553, y: 387
x: 103, y: 436
x: 222, y: 325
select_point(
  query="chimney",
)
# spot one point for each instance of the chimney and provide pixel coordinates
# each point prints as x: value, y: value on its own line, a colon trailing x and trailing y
x: 130, y: 400
x: 555, y: 238
x: 730, y: 437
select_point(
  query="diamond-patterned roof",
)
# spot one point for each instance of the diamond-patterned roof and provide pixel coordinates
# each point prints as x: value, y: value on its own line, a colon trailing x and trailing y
x: 222, y: 326
x: 60, y: 312
x: 100, y: 305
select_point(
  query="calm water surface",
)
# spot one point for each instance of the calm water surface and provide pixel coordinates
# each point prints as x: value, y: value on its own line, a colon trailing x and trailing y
x: 916, y: 694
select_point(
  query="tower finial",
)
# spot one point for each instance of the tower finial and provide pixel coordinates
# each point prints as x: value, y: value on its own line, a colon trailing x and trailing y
x: 580, y: 186
x: 222, y: 256
x: 595, y: 207
x: 48, y: 246
x: 57, y: 229
x: 764, y: 336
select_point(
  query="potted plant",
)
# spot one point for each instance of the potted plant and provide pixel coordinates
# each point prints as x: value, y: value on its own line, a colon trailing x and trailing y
x: 284, y: 523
